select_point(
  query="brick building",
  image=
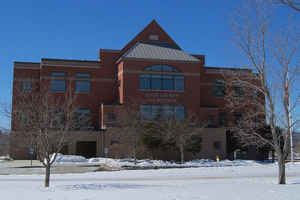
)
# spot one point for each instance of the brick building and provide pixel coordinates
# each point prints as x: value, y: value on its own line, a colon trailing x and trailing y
x: 151, y: 69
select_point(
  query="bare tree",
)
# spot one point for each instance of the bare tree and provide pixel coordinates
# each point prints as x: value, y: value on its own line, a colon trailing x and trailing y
x: 294, y: 4
x: 272, y: 54
x: 129, y: 119
x: 46, y: 120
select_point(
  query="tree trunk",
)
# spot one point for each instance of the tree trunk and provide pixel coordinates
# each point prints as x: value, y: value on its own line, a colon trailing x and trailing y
x: 281, y: 168
x: 181, y: 154
x: 47, y: 176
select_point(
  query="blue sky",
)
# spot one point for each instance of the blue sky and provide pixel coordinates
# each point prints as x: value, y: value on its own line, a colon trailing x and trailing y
x: 77, y: 29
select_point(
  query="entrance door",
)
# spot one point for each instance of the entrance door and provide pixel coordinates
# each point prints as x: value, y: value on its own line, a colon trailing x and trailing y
x: 86, y: 149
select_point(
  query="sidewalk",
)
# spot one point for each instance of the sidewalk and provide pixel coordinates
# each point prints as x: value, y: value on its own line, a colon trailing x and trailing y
x: 24, y: 167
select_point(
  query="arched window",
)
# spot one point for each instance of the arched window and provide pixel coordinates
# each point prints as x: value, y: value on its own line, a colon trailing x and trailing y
x: 162, y: 68
x: 170, y: 82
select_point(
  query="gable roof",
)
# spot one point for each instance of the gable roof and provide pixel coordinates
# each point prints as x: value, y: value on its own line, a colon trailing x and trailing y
x: 153, y: 28
x: 158, y: 51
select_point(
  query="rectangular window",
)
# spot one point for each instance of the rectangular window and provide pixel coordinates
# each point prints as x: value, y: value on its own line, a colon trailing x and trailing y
x: 82, y: 86
x: 167, y: 112
x: 211, y: 121
x: 58, y: 85
x: 179, y: 83
x: 179, y: 113
x: 156, y: 82
x: 219, y: 90
x: 27, y: 86
x: 156, y: 111
x: 145, y: 82
x: 168, y: 83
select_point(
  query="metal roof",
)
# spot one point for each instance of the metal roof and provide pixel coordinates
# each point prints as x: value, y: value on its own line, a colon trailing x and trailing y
x: 158, y: 51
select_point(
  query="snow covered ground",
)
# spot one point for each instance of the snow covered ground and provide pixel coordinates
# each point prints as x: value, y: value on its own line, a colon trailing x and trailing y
x: 247, y: 182
x: 129, y: 162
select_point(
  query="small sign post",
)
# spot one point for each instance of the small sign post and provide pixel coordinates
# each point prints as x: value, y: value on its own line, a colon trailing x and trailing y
x: 105, y: 151
x: 31, y: 155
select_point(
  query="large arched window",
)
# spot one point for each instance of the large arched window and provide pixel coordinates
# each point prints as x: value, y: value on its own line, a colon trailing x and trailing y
x: 163, y: 81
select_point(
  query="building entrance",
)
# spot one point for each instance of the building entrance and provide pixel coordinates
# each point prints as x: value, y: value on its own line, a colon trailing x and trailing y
x: 86, y: 149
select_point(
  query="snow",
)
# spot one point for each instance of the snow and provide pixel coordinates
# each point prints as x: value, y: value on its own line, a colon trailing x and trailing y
x: 4, y: 158
x: 60, y: 158
x: 129, y: 162
x: 247, y: 182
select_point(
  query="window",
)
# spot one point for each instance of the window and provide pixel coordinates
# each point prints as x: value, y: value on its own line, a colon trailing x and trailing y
x: 179, y: 83
x: 156, y: 112
x: 153, y: 37
x: 27, y: 86
x: 58, y: 85
x: 238, y: 91
x: 145, y: 111
x: 219, y: 88
x: 25, y: 119
x: 161, y: 81
x: 82, y: 119
x: 145, y: 82
x: 179, y: 113
x: 82, y: 86
x: 211, y: 121
x: 222, y: 119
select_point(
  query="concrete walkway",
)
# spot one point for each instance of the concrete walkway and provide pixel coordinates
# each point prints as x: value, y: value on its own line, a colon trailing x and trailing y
x: 25, y: 167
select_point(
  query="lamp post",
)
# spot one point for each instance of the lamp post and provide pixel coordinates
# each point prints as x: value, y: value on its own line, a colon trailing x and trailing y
x: 104, y: 149
x: 102, y: 130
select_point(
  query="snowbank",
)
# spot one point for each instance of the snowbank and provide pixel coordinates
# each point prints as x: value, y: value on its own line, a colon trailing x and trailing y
x: 129, y: 162
x: 60, y: 158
